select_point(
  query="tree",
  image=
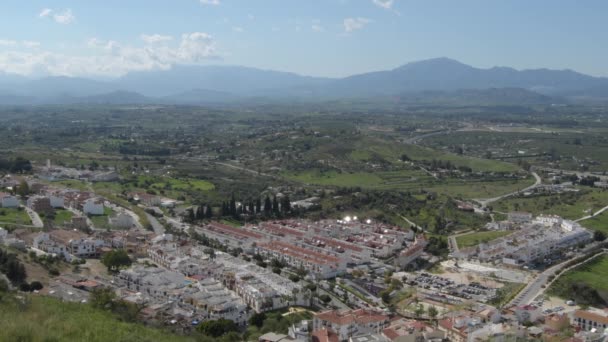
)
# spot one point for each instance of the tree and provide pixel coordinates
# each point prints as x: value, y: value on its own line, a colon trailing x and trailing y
x: 325, y: 298
x: 116, y: 259
x: 275, y: 205
x: 267, y: 205
x: 285, y: 204
x: 432, y: 312
x: 36, y: 286
x: 419, y: 310
x: 23, y: 189
x: 102, y: 298
x: 599, y: 236
x: 258, y: 205
x: 257, y: 319
x: 217, y: 328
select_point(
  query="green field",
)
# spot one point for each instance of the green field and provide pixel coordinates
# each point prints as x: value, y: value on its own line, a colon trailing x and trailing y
x: 599, y: 222
x: 409, y: 180
x: 102, y: 221
x: 474, y: 239
x: 16, y: 216
x: 62, y: 216
x: 570, y: 205
x: 591, y: 275
x: 48, y: 319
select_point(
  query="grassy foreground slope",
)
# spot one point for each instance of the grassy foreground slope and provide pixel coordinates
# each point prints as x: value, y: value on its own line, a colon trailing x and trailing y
x: 48, y: 319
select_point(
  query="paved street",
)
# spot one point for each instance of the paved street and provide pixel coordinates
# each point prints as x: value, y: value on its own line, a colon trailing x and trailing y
x: 36, y: 221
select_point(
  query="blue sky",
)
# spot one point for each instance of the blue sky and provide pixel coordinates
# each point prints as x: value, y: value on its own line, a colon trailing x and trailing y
x: 312, y: 37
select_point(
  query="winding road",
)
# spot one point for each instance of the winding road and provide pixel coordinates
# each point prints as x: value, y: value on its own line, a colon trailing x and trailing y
x: 485, y: 201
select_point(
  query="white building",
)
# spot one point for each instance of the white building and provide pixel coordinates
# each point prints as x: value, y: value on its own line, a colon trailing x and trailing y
x: 8, y: 200
x: 93, y: 206
x: 3, y: 234
x: 349, y: 323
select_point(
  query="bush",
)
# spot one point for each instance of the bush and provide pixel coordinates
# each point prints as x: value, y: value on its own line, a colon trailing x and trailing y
x: 36, y: 286
x: 294, y: 278
x: 24, y: 287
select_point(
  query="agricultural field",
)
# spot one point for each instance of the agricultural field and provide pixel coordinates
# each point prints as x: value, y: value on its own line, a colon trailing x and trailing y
x: 570, y: 205
x: 474, y: 239
x: 14, y: 216
x: 579, y: 148
x: 599, y: 222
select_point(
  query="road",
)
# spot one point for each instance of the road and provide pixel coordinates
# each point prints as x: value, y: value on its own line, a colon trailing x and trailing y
x: 246, y: 170
x: 592, y: 215
x: 159, y: 229
x: 535, y: 288
x: 485, y: 201
x: 36, y: 221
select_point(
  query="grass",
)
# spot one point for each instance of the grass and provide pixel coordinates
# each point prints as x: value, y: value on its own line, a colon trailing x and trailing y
x: 276, y: 321
x: 474, y: 239
x: 73, y: 184
x: 408, y: 180
x: 586, y: 284
x: 48, y: 319
x: 599, y: 222
x: 16, y: 216
x: 62, y: 216
x: 102, y: 221
x: 570, y: 205
x: 592, y: 273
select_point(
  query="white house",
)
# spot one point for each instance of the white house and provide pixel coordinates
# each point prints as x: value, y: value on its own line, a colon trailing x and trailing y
x: 348, y: 323
x: 93, y: 206
x: 8, y: 200
x: 3, y: 234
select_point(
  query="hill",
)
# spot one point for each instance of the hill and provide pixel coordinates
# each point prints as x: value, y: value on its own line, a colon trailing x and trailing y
x: 47, y: 319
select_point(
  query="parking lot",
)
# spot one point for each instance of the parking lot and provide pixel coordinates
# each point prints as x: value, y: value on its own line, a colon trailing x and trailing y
x: 472, y: 290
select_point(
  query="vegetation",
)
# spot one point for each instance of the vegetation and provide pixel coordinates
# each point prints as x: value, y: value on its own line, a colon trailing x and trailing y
x: 36, y: 318
x: 474, y: 239
x: 14, y: 216
x: 115, y: 260
x: 586, y: 284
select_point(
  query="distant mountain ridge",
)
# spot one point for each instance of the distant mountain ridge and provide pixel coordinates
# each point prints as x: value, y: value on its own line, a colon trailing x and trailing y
x: 217, y: 84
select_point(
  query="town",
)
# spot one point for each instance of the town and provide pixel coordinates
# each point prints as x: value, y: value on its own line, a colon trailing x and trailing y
x: 346, y: 279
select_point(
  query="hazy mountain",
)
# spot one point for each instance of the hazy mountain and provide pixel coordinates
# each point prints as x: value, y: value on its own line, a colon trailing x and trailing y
x: 230, y: 79
x: 51, y: 87
x: 446, y: 74
x: 216, y: 84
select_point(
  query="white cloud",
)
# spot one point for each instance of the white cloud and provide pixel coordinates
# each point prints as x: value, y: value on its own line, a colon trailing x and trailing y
x: 65, y: 17
x: 317, y: 28
x: 210, y: 2
x: 110, y: 58
x: 30, y: 43
x: 45, y: 13
x: 386, y: 4
x: 237, y: 29
x: 5, y: 42
x: 353, y: 24
x: 155, y: 38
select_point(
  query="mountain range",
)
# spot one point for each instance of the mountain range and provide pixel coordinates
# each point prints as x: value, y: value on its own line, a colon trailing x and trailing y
x: 440, y: 80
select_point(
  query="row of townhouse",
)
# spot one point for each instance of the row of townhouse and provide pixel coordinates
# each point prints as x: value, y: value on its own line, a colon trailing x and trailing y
x: 320, y: 264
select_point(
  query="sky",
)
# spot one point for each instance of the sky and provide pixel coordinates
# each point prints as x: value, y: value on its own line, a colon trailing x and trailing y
x: 332, y: 38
